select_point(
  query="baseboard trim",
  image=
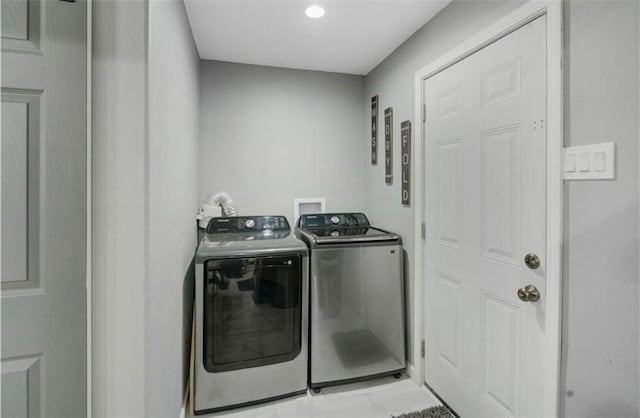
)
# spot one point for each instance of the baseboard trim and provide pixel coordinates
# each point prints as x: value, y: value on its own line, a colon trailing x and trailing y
x: 185, y: 400
x: 411, y: 371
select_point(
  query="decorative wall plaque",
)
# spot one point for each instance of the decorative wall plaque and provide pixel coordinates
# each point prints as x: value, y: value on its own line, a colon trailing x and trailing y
x: 388, y: 145
x: 405, y: 134
x: 374, y: 129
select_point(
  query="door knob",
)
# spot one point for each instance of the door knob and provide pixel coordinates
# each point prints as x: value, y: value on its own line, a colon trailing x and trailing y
x: 529, y: 293
x: 532, y: 261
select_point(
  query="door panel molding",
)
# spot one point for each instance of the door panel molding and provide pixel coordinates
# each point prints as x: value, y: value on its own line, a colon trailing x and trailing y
x: 21, y: 26
x: 515, y: 20
x: 21, y: 387
x: 501, y: 174
x: 20, y: 269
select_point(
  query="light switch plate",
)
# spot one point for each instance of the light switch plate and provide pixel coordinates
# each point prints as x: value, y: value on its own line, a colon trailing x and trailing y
x: 590, y: 162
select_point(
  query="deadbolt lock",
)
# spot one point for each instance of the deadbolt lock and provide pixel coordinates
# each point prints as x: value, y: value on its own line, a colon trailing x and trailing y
x: 529, y: 293
x: 532, y: 261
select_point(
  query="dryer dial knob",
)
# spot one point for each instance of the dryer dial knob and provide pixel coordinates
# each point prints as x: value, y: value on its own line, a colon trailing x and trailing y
x: 335, y: 220
x: 250, y: 223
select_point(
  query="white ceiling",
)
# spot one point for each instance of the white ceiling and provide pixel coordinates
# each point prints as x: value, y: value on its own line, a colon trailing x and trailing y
x: 353, y: 36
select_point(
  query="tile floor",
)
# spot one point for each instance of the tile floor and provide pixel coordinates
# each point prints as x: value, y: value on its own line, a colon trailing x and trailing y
x: 380, y: 398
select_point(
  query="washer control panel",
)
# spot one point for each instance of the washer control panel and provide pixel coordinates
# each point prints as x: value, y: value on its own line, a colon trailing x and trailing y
x: 233, y: 224
x: 320, y: 220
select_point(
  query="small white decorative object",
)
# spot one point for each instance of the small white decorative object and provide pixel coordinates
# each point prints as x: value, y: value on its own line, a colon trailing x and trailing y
x: 219, y: 204
x: 207, y: 212
x: 308, y: 205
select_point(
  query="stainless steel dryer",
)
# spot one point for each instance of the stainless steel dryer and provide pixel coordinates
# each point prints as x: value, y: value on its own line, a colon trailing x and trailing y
x: 357, y: 299
x: 251, y: 313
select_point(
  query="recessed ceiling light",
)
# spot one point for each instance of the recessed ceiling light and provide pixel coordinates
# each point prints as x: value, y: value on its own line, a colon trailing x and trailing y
x: 314, y: 12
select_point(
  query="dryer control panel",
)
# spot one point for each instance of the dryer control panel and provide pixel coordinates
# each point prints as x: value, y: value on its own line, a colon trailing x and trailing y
x: 225, y: 225
x: 321, y: 220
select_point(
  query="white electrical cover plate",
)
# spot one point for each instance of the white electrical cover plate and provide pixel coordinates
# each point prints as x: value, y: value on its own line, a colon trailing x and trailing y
x: 590, y: 162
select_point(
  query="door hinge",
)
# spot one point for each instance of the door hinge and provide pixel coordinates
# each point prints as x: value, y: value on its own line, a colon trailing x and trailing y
x: 424, y: 230
x: 424, y: 112
x: 422, y: 349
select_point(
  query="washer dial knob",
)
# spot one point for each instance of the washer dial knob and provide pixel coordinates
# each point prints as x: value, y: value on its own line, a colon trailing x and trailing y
x: 249, y: 223
x: 335, y: 220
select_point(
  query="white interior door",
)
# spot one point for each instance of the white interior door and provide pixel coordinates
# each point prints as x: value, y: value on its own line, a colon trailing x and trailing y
x: 485, y: 200
x: 43, y: 190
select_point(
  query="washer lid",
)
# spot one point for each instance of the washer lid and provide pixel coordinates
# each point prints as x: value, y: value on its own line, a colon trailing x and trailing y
x: 248, y: 245
x: 341, y: 235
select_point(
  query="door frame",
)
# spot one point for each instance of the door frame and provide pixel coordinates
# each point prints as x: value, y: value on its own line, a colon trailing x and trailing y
x: 89, y: 209
x: 555, y: 143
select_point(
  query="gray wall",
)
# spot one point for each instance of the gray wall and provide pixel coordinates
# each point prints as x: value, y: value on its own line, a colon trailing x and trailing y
x: 118, y: 208
x: 601, y: 326
x: 172, y: 164
x: 269, y: 135
x: 144, y: 167
x: 143, y: 174
x: 393, y: 82
x: 601, y: 218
